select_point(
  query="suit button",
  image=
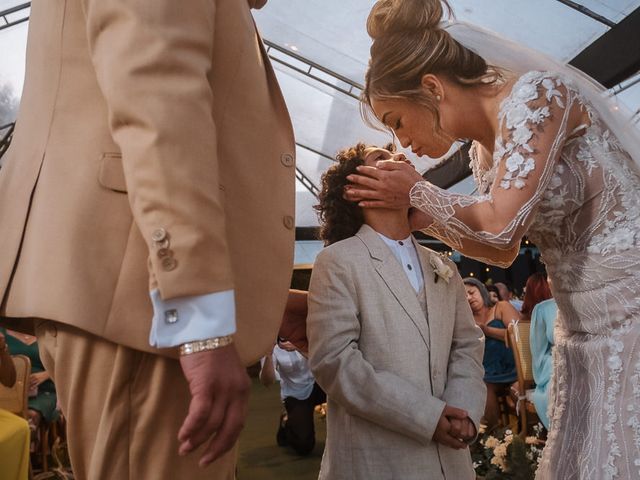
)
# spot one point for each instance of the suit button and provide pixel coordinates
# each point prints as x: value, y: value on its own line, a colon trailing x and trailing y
x: 164, y: 252
x: 288, y: 222
x: 287, y: 159
x: 159, y: 235
x: 169, y: 263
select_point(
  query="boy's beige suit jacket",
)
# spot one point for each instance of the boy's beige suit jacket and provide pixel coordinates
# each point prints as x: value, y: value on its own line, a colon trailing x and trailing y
x: 387, y: 370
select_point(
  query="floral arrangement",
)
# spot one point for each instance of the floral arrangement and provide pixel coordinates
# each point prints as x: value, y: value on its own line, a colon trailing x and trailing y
x: 502, y: 455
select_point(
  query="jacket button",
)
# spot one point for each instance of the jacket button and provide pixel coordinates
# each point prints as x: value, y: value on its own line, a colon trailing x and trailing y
x: 164, y: 252
x: 287, y: 160
x: 169, y: 263
x: 159, y: 235
x: 288, y: 222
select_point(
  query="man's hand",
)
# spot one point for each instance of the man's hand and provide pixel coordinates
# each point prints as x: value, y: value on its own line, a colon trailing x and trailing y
x: 257, y: 4
x: 219, y: 387
x: 443, y: 433
x: 35, y: 379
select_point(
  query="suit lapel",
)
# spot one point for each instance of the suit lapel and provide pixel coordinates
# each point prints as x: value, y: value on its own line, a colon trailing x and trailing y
x: 387, y: 266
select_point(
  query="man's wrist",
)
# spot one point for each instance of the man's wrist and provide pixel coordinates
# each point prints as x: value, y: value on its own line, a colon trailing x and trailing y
x: 214, y: 343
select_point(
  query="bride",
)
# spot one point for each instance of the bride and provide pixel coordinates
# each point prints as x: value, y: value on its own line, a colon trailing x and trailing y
x: 551, y: 159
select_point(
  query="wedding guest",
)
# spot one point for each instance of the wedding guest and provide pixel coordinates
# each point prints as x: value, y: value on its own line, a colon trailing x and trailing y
x: 543, y: 319
x: 299, y: 393
x: 42, y: 392
x: 392, y: 342
x: 494, y: 294
x: 536, y: 290
x: 151, y: 135
x: 14, y: 430
x: 506, y: 294
x: 499, y: 364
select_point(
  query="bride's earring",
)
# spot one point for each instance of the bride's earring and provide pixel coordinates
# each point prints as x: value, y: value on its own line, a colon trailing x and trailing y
x: 438, y: 98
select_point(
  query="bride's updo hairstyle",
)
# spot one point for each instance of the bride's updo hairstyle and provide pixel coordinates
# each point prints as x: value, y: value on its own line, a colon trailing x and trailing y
x: 408, y: 43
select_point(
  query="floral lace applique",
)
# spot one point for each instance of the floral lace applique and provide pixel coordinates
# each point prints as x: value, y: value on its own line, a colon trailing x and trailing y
x: 519, y: 118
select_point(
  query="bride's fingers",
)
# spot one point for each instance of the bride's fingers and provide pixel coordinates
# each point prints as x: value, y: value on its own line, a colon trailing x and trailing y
x: 364, y: 181
x: 391, y: 164
x: 373, y: 204
x: 372, y: 172
x: 356, y: 194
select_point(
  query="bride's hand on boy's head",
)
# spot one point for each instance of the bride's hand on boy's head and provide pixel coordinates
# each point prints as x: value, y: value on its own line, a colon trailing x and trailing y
x: 384, y: 186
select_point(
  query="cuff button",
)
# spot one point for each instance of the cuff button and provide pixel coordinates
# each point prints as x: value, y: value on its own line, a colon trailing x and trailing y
x: 169, y: 263
x: 159, y: 235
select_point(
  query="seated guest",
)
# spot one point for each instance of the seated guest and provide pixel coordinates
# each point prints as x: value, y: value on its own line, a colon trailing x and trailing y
x: 299, y: 393
x: 499, y: 364
x: 42, y: 393
x: 288, y: 365
x: 14, y: 430
x: 536, y: 290
x: 391, y: 341
x: 543, y: 319
x: 505, y: 294
x: 494, y: 295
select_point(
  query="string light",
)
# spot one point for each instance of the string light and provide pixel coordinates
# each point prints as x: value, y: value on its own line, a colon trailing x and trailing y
x: 471, y: 274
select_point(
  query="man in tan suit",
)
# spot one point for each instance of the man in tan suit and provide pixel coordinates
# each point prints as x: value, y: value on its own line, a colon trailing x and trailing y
x: 392, y: 342
x: 146, y: 204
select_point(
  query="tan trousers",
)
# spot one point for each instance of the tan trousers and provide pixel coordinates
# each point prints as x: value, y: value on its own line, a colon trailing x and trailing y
x: 123, y: 409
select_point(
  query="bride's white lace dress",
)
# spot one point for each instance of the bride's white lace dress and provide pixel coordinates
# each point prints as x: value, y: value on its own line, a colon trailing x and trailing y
x: 577, y: 195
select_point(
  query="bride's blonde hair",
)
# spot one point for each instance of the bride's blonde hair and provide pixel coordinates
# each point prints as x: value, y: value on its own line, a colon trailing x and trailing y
x: 408, y: 43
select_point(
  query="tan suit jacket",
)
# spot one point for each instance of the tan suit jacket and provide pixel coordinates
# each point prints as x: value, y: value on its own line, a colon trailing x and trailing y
x: 388, y: 371
x: 153, y: 149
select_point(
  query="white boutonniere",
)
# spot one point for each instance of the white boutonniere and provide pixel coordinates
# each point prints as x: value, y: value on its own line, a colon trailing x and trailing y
x: 440, y: 268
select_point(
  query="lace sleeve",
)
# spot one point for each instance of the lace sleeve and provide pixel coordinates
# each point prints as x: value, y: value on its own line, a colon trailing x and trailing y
x: 534, y: 121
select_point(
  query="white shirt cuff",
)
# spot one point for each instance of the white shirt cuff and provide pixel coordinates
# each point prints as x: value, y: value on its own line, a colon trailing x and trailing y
x: 189, y: 319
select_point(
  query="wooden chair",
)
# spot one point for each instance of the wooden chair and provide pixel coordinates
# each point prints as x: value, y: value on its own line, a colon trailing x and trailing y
x: 518, y: 340
x: 14, y: 399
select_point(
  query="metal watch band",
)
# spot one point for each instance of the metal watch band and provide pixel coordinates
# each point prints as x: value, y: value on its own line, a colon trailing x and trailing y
x: 204, y: 345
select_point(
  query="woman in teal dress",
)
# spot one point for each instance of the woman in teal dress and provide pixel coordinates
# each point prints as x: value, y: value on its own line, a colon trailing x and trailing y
x: 499, y: 364
x: 543, y: 320
x: 42, y: 398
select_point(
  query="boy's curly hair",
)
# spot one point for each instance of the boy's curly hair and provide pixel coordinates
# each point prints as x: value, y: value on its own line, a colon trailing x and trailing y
x: 340, y: 218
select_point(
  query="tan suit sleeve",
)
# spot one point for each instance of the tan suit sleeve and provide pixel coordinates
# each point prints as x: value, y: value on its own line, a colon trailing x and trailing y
x: 333, y: 328
x: 152, y: 62
x: 465, y: 386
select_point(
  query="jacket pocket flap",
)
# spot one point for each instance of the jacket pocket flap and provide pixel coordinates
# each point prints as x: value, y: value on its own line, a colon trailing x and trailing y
x: 111, y: 173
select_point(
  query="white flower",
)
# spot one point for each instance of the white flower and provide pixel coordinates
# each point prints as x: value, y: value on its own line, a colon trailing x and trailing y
x: 491, y: 442
x: 440, y: 268
x: 529, y: 165
x: 519, y: 184
x: 517, y: 115
x: 555, y: 182
x: 624, y: 239
x: 614, y: 362
x: 540, y: 114
x: 514, y: 162
x: 548, y: 83
x: 505, y: 184
x: 522, y: 134
x: 556, y: 202
x: 526, y: 92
